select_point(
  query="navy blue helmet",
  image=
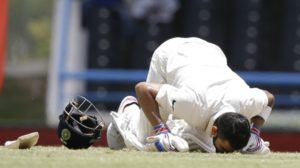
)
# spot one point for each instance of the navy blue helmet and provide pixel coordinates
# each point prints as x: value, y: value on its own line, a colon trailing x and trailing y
x: 80, y: 124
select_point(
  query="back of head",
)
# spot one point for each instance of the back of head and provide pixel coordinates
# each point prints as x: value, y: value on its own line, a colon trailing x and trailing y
x: 235, y: 128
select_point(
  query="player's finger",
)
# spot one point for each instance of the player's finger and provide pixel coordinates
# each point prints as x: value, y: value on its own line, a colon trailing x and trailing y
x: 180, y: 144
x: 267, y: 143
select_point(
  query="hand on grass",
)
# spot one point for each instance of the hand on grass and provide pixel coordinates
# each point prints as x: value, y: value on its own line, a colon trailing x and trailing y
x: 256, y: 145
x: 164, y: 141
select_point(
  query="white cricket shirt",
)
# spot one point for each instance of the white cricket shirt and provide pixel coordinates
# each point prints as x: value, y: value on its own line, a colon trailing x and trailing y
x: 198, y: 86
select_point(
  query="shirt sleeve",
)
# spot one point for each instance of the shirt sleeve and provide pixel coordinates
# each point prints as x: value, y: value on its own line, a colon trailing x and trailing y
x: 181, y: 102
x: 164, y: 97
x: 255, y: 103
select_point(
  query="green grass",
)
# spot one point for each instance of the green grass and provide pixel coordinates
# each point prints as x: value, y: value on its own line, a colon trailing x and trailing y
x: 43, y: 157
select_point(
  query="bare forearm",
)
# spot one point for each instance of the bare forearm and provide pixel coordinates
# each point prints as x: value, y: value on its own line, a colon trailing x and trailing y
x: 146, y: 94
x: 271, y: 98
x: 257, y: 122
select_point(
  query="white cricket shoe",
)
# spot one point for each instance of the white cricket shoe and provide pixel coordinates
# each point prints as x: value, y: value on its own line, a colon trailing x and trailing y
x: 115, y: 140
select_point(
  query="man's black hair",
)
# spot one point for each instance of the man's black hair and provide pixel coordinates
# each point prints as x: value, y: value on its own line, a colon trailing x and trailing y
x: 235, y: 128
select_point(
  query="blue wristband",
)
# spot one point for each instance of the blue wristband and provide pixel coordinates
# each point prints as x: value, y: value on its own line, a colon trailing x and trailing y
x: 161, y: 128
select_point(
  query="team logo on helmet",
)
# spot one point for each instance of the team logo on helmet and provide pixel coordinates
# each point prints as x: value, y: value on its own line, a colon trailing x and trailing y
x: 65, y: 134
